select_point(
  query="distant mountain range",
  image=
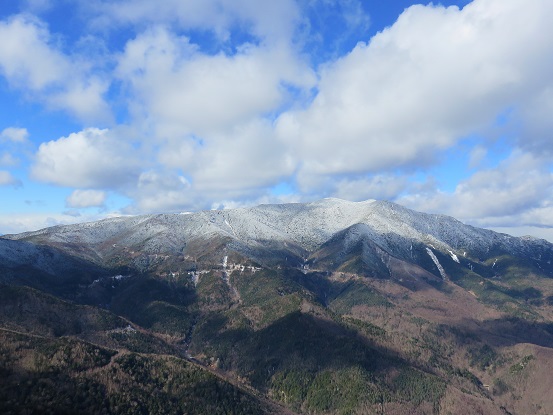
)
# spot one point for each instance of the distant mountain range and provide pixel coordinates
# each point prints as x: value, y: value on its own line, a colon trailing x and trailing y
x: 324, y: 307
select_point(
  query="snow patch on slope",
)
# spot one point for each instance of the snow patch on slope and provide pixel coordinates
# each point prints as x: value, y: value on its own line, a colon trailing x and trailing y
x: 453, y: 256
x: 437, y: 263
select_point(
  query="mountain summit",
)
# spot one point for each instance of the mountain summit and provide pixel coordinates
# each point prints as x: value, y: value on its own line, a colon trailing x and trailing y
x: 330, y: 230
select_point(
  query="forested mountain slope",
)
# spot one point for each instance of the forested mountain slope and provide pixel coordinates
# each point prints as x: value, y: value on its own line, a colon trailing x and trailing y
x: 326, y: 307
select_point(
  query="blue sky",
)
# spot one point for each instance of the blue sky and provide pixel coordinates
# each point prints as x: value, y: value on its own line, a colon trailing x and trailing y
x: 127, y: 107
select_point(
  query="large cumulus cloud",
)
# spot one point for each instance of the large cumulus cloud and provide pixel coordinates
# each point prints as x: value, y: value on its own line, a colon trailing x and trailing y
x: 434, y: 77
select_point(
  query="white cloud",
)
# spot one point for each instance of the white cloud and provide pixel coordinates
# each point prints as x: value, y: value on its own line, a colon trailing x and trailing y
x: 237, y: 165
x: 6, y: 179
x: 84, y: 98
x: 477, y: 155
x: 536, y: 232
x: 91, y: 158
x: 208, y: 115
x: 435, y: 76
x: 8, y: 160
x: 24, y: 46
x: 161, y: 191
x: 270, y: 21
x: 265, y: 199
x: 26, y: 222
x: 516, y: 193
x: 16, y: 135
x: 537, y: 123
x: 380, y: 187
x: 183, y: 91
x: 246, y: 158
x: 31, y: 61
x: 86, y: 198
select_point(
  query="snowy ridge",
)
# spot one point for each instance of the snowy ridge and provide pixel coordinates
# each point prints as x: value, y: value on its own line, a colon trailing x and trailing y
x: 392, y: 227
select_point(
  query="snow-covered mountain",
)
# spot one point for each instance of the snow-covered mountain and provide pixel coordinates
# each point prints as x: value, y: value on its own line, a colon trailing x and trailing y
x: 322, y: 297
x: 294, y: 235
